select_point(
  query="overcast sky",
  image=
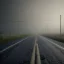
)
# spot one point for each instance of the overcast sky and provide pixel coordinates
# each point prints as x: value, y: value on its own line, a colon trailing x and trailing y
x: 31, y: 16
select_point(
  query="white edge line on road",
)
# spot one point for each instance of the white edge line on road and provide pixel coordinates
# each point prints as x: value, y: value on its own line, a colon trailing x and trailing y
x: 12, y: 45
x: 59, y: 46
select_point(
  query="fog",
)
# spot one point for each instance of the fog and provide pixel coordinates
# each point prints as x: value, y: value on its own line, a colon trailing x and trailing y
x: 31, y: 16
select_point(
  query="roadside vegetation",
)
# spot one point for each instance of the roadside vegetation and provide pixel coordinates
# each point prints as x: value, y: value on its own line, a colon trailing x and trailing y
x: 4, y: 40
x: 56, y: 37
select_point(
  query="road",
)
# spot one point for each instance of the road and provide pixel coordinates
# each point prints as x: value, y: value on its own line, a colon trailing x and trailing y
x: 51, y: 52
x: 20, y: 54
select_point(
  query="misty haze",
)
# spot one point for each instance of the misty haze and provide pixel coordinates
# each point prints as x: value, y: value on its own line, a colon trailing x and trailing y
x: 32, y: 32
x: 31, y: 16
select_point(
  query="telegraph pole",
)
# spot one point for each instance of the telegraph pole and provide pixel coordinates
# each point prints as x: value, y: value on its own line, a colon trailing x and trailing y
x: 60, y: 25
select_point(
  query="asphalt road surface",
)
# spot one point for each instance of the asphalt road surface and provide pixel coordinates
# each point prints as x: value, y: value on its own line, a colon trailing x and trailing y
x: 21, y: 54
x: 51, y: 52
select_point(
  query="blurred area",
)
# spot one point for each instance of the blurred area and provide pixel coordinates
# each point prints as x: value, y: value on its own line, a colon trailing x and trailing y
x: 31, y: 17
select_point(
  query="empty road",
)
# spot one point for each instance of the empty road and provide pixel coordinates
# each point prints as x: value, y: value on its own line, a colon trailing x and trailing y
x: 51, y: 52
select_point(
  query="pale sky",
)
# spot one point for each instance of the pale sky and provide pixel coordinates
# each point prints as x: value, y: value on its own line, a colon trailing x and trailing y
x: 38, y: 16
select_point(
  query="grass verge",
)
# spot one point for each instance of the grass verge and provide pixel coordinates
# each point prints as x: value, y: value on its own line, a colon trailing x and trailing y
x: 10, y: 38
x: 56, y: 37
